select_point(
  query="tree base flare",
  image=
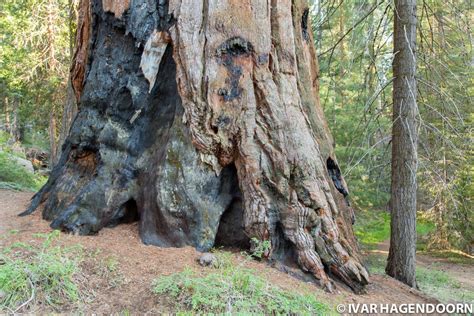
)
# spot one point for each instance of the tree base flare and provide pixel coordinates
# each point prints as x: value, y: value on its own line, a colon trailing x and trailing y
x: 225, y: 138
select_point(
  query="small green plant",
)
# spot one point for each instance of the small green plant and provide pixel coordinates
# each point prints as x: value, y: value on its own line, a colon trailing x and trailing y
x: 43, y: 274
x: 224, y: 259
x: 233, y: 290
x: 111, y: 264
x: 102, y: 268
x: 110, y: 271
x: 259, y: 248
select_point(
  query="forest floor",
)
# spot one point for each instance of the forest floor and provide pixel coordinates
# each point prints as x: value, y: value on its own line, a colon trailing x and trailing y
x: 126, y: 287
x: 463, y: 273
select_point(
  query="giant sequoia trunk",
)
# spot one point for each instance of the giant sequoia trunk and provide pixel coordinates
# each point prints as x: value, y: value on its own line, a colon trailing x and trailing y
x: 201, y: 119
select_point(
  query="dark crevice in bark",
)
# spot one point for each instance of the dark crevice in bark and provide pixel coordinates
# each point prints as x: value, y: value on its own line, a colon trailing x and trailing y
x: 335, y: 174
x: 283, y: 251
x: 165, y: 20
x: 304, y: 24
x: 227, y: 52
x: 235, y: 46
x: 127, y: 213
x: 231, y: 225
x: 336, y: 177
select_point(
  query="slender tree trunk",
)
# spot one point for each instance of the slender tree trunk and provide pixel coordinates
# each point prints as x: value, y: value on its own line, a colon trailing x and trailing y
x: 401, y: 259
x: 69, y: 113
x: 201, y: 119
x: 15, y: 126
x: 7, y: 115
x: 52, y: 139
x: 52, y: 65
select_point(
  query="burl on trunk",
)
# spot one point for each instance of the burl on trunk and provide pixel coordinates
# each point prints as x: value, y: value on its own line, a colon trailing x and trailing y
x: 201, y: 119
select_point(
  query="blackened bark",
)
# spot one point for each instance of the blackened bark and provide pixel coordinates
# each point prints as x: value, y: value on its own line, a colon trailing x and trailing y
x: 401, y: 260
x: 202, y: 121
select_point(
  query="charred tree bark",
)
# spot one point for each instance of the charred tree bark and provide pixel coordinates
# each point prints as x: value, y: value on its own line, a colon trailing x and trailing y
x: 401, y: 259
x: 197, y: 114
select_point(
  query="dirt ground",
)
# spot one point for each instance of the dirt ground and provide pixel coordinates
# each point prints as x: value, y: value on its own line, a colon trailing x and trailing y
x: 462, y: 273
x: 139, y: 265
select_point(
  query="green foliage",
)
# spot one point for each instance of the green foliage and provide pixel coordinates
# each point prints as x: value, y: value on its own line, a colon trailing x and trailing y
x: 373, y: 227
x: 460, y: 223
x: 355, y: 45
x: 424, y: 226
x: 35, y: 51
x: 364, y: 182
x: 233, y: 290
x: 36, y: 139
x: 260, y: 248
x: 354, y: 76
x: 45, y: 274
x: 14, y: 176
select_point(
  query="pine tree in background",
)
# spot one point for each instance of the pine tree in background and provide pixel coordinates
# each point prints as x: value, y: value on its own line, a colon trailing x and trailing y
x: 401, y: 261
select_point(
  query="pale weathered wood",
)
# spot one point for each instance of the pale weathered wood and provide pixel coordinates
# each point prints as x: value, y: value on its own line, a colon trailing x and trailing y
x: 116, y: 7
x: 155, y: 48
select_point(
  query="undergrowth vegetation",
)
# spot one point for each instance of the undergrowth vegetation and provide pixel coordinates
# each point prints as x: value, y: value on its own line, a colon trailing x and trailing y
x: 44, y: 274
x: 13, y: 175
x: 373, y: 227
x: 441, y: 285
x: 431, y: 280
x: 234, y: 290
